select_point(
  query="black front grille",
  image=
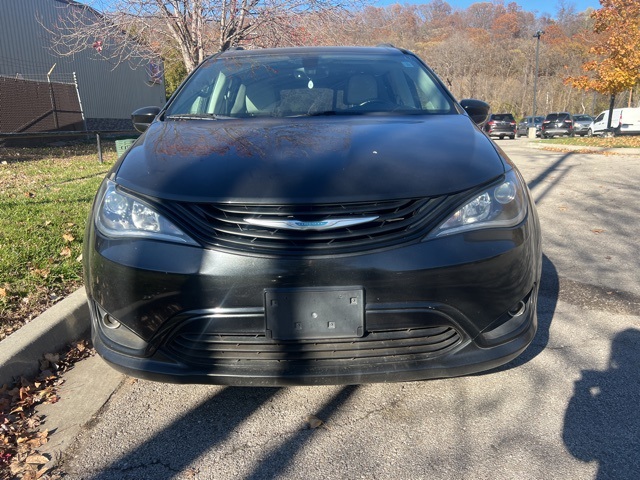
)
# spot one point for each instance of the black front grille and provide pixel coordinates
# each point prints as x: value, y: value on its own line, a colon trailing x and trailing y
x: 220, y: 349
x: 229, y: 225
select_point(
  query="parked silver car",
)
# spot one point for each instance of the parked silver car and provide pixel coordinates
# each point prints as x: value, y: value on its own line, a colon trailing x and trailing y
x: 526, y: 123
x: 581, y: 124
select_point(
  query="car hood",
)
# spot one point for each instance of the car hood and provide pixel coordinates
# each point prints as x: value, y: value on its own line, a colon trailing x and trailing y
x: 312, y: 159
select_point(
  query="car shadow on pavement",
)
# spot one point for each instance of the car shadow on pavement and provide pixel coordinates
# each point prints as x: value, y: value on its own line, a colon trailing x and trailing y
x: 177, y: 446
x: 602, y: 421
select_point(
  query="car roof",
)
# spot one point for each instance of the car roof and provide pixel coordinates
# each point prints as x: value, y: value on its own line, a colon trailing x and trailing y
x: 388, y: 49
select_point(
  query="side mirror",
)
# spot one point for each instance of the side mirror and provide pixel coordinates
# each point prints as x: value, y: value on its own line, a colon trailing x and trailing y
x: 143, y: 117
x: 476, y: 109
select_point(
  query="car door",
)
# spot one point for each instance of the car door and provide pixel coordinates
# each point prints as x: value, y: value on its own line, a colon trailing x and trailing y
x: 600, y: 123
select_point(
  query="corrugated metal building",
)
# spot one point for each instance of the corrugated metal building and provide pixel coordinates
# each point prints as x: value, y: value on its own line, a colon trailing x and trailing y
x: 108, y: 95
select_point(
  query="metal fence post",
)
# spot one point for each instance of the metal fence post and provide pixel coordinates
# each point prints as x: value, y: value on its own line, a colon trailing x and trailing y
x: 99, y: 148
x: 84, y: 120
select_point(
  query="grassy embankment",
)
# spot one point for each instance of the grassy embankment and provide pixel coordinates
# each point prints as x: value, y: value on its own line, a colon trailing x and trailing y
x: 45, y: 196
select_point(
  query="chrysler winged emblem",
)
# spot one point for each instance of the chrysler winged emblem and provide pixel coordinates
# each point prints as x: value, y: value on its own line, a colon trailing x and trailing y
x: 293, y: 224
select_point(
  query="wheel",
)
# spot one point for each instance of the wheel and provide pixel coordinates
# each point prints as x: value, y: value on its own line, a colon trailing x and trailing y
x: 590, y: 133
x: 512, y: 137
x: 501, y: 137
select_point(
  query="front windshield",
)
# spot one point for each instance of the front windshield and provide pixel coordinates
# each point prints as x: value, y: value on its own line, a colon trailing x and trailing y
x: 310, y: 84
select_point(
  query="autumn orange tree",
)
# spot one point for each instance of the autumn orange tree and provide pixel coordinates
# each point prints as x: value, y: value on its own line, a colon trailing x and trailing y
x: 617, y: 46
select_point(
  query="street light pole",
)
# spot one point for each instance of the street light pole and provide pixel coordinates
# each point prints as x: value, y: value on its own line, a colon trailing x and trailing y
x: 535, y: 79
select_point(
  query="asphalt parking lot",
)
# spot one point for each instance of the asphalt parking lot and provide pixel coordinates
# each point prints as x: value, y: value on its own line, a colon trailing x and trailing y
x: 569, y: 407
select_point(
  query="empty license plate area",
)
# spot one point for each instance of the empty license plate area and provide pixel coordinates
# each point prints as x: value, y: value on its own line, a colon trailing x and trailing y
x: 314, y: 313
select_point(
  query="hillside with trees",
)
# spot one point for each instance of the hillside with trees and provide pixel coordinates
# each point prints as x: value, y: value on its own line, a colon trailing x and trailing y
x: 487, y: 51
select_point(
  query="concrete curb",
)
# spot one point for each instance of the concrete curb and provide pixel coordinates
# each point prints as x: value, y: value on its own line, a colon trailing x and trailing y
x: 62, y: 324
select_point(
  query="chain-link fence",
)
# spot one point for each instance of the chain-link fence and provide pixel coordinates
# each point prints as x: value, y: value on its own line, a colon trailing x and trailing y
x: 28, y: 106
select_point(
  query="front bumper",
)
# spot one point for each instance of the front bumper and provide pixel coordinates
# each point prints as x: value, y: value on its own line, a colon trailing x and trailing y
x: 440, y: 308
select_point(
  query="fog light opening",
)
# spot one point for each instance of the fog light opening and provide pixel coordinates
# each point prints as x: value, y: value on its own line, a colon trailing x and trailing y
x: 518, y: 309
x: 109, y: 322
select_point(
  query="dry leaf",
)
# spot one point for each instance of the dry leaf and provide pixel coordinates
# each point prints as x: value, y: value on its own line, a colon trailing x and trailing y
x: 65, y: 252
x: 42, y: 471
x: 36, y: 459
x: 598, y: 230
x: 68, y: 237
x: 41, y: 272
x: 314, y: 422
x: 3, y: 292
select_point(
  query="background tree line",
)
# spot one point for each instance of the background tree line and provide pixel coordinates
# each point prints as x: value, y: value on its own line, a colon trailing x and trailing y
x: 485, y: 51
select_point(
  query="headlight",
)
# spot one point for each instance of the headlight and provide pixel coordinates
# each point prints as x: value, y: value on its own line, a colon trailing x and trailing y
x: 502, y: 205
x: 122, y: 215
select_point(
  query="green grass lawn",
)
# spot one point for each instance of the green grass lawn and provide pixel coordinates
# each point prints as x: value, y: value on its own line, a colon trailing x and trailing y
x: 45, y: 196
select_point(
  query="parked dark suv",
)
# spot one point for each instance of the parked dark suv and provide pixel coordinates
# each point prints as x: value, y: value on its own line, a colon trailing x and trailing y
x: 558, y: 123
x: 501, y: 125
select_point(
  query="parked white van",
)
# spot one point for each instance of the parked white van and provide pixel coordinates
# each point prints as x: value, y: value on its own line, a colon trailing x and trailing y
x: 624, y: 121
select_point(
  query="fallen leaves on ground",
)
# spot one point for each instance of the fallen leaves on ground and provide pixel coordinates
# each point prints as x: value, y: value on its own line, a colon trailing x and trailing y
x: 16, y: 310
x: 20, y: 435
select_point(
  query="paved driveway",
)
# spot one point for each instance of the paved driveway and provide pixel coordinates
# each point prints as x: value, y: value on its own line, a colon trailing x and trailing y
x: 568, y: 408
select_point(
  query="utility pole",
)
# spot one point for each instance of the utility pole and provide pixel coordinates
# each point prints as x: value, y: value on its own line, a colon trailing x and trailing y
x: 537, y: 35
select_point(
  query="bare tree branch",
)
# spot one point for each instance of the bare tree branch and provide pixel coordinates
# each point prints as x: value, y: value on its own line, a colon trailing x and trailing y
x: 137, y: 31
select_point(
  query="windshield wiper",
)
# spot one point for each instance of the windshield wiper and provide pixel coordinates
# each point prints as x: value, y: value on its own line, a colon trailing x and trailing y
x: 195, y: 116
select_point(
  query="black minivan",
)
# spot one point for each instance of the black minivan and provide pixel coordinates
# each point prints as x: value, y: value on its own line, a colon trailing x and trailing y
x: 318, y: 215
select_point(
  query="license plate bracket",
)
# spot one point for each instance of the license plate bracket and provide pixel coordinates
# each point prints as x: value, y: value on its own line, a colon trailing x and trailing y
x: 314, y: 313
